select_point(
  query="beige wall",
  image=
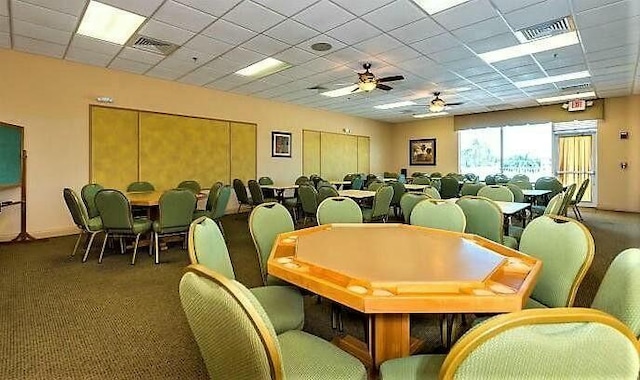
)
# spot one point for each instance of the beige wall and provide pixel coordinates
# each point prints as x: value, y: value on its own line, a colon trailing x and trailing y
x: 51, y: 98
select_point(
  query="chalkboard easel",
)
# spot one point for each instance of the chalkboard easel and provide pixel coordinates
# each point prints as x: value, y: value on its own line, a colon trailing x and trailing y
x: 23, y: 236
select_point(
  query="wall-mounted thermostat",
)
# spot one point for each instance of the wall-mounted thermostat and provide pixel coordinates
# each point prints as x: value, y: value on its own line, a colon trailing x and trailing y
x: 624, y: 135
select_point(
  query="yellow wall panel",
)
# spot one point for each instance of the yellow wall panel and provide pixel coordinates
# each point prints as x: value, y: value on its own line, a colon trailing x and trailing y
x: 339, y: 155
x: 310, y: 152
x: 243, y: 151
x: 114, y: 146
x: 363, y: 154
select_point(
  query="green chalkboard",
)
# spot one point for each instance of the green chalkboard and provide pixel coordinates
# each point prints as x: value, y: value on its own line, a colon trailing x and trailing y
x: 10, y: 155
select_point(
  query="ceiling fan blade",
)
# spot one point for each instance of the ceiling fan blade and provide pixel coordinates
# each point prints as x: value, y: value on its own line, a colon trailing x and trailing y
x: 355, y: 89
x: 383, y: 87
x: 455, y: 103
x: 391, y: 79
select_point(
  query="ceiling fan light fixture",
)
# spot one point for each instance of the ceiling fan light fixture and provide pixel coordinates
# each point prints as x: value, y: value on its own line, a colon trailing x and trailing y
x: 437, y: 105
x: 433, y: 114
x: 367, y: 86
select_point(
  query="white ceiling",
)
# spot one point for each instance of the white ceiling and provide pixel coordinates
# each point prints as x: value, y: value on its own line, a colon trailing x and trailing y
x: 434, y: 53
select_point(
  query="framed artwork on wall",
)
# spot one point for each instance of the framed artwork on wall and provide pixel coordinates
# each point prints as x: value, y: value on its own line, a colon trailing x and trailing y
x: 280, y: 144
x: 422, y: 152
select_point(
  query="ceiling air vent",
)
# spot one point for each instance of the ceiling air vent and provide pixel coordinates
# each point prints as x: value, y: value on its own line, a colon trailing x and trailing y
x: 575, y: 87
x: 152, y: 45
x: 546, y: 29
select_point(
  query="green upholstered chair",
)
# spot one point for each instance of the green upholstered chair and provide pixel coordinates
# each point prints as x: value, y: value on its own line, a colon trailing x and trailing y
x: 140, y: 186
x: 524, y: 185
x: 619, y: 291
x: 568, y: 196
x: 380, y: 208
x: 417, y: 174
x: 566, y: 249
x: 176, y: 213
x: 518, y: 195
x: 470, y: 188
x: 325, y: 192
x: 308, y: 201
x: 435, y: 175
x: 484, y: 218
x: 552, y: 208
x: 267, y: 194
x: 88, y: 194
x: 490, y: 180
x: 520, y: 177
x: 578, y: 198
x: 338, y: 210
x: 443, y: 215
x: 283, y: 304
x: 266, y: 222
x: 501, y: 179
x: 549, y: 183
x: 375, y: 185
x: 432, y: 192
x: 191, y: 185
x: 564, y: 343
x: 496, y: 193
x: 471, y: 177
x: 398, y: 191
x: 220, y: 208
x: 449, y: 187
x: 389, y: 175
x: 212, y: 198
x: 369, y: 178
x: 117, y: 220
x: 421, y: 180
x: 257, y: 196
x: 91, y: 226
x: 409, y: 201
x: 241, y: 194
x: 357, y: 183
x: 237, y: 339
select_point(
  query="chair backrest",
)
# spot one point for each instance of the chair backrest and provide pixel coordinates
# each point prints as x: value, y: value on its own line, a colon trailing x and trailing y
x: 443, y: 215
x: 408, y: 202
x: 265, y: 223
x: 432, y: 192
x: 471, y: 177
x: 619, y: 291
x: 398, y: 192
x: 375, y: 185
x: 520, y: 177
x: 484, y: 217
x: 241, y: 191
x: 435, y: 175
x: 490, y: 180
x: 581, y: 190
x: 501, y: 178
x: 265, y: 181
x: 176, y: 208
x: 469, y: 188
x: 349, y: 177
x: 518, y: 195
x: 382, y: 202
x: 302, y: 180
x: 256, y: 192
x: 207, y: 247
x: 402, y: 178
x: 308, y: 198
x: 232, y: 330
x: 449, y: 187
x: 422, y: 180
x: 357, y: 183
x: 325, y: 192
x: 524, y: 185
x: 568, y: 196
x: 566, y: 249
x: 549, y: 183
x: 115, y: 210
x: 496, y: 193
x: 88, y: 193
x: 389, y: 175
x: 221, y: 202
x: 562, y: 343
x: 553, y: 207
x: 338, y: 210
x: 212, y: 198
x: 76, y: 208
x: 141, y: 186
x: 192, y: 185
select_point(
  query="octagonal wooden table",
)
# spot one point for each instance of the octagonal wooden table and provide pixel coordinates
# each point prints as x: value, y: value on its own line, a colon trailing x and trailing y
x: 390, y: 271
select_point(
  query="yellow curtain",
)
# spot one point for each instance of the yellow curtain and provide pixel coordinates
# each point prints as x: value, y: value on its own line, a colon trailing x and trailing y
x: 574, y: 164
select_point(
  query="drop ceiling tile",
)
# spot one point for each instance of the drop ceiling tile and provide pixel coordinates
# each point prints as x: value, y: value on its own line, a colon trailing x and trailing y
x: 492, y: 43
x: 253, y: 16
x: 43, y: 16
x: 200, y: 76
x: 190, y: 55
x: 299, y: 72
x: 265, y: 45
x: 469, y: 62
x: 465, y: 14
x: 228, y: 32
x: 421, y: 66
x: 4, y: 24
x: 623, y: 91
x: 353, y: 32
x: 582, y: 5
x: 30, y: 45
x: 566, y: 64
x: 450, y: 55
x: 622, y: 69
x: 183, y: 17
x: 141, y: 7
x: 294, y: 56
x: 470, y: 71
x: 140, y: 56
x: 403, y: 53
x: 129, y: 65
x: 5, y: 40
x: 614, y: 61
x: 538, y: 13
x: 87, y: 56
x: 506, y: 6
x: 216, y: 8
x: 72, y: 7
x: 378, y: 45
x: 514, y: 62
x: 566, y: 69
x: 286, y: 7
x: 418, y: 30
x: 347, y: 56
x: 616, y: 11
x: 277, y: 79
x: 39, y: 32
x: 165, y: 32
x: 630, y: 51
x: 398, y: 13
x: 359, y: 8
x: 208, y: 48
x: 481, y: 30
x: 252, y: 87
x: 98, y: 46
x: 4, y: 7
x: 225, y: 66
x: 335, y: 44
x: 319, y: 64
x: 437, y: 43
x: 291, y: 32
x: 323, y: 16
x: 243, y: 56
x: 162, y: 73
x: 527, y: 69
x: 572, y: 52
x: 177, y: 65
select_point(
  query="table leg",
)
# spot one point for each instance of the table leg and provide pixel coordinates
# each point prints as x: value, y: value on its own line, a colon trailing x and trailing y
x: 390, y: 337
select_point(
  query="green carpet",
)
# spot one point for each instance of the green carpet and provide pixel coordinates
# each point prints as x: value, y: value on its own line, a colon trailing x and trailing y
x: 62, y: 319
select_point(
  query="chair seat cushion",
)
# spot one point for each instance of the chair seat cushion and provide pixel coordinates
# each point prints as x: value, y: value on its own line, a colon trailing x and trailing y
x: 199, y: 213
x: 94, y: 224
x: 308, y: 357
x: 510, y: 242
x: 168, y: 230
x: 141, y: 226
x: 533, y: 304
x: 284, y: 306
x: 516, y: 232
x: 538, y: 210
x: 271, y: 280
x: 366, y: 213
x: 421, y: 367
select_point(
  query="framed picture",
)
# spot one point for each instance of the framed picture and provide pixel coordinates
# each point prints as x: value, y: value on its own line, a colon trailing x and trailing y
x: 280, y: 144
x: 422, y: 152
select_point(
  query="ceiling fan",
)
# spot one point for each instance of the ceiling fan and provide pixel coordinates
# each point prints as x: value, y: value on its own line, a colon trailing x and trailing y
x: 368, y: 82
x: 438, y: 105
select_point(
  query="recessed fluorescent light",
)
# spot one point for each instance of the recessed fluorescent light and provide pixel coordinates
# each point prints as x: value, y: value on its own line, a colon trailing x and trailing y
x: 435, y: 6
x: 394, y: 105
x: 432, y: 114
x: 263, y: 68
x: 108, y: 23
x: 553, y: 79
x: 537, y: 46
x: 560, y: 98
x: 342, y: 91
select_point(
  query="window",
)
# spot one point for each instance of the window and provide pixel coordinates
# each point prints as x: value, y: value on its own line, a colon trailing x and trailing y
x: 480, y: 151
